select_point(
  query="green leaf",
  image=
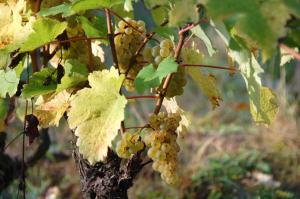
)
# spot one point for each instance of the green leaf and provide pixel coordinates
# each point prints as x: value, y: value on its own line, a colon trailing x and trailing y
x: 75, y: 74
x: 94, y: 28
x: 294, y: 6
x: 3, y: 108
x: 267, y: 108
x: 64, y: 9
x: 83, y: 5
x: 183, y: 12
x: 42, y: 82
x: 45, y: 30
x: 247, y: 18
x: 198, y: 31
x: 148, y: 77
x: 9, y: 82
x: 96, y: 113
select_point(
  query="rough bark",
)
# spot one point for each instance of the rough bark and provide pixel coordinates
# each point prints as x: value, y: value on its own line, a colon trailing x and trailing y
x: 107, y: 180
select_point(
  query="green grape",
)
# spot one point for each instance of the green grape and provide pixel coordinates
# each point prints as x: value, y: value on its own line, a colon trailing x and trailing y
x: 167, y: 43
x: 177, y: 83
x: 129, y: 144
x: 158, y: 59
x: 154, y: 121
x: 155, y: 51
x: 164, y: 52
x: 127, y: 43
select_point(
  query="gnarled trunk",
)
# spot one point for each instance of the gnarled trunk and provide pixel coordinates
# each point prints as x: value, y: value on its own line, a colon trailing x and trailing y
x: 107, y: 180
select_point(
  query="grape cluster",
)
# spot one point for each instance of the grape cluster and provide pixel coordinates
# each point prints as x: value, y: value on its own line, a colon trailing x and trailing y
x: 76, y: 51
x: 162, y: 144
x: 129, y: 144
x: 127, y: 41
x: 156, y: 54
x: 161, y: 51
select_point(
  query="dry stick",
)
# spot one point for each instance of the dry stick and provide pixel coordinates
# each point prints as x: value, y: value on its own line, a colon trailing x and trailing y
x: 291, y: 51
x: 209, y: 66
x: 169, y: 77
x: 138, y: 127
x: 110, y: 35
x: 90, y: 54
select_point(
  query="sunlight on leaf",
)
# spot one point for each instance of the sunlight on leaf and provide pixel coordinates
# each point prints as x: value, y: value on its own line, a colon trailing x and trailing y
x: 96, y: 114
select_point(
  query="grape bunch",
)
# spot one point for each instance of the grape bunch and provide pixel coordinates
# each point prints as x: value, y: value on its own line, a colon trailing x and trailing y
x: 129, y: 144
x: 76, y: 51
x: 127, y: 41
x: 162, y: 144
x: 156, y: 54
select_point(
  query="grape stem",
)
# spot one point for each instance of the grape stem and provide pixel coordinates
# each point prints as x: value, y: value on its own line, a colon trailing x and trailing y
x: 138, y: 127
x: 143, y: 97
x: 210, y: 66
x: 166, y: 82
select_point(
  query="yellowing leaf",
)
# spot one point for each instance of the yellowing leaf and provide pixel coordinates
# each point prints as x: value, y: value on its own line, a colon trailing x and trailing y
x: 13, y: 31
x: 268, y: 106
x: 172, y: 107
x: 205, y: 82
x: 96, y: 113
x: 50, y: 112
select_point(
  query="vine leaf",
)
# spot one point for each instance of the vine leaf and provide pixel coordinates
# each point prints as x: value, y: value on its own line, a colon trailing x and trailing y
x: 75, y: 74
x: 14, y: 31
x: 3, y: 112
x: 251, y: 71
x: 255, y: 21
x: 45, y: 30
x: 31, y: 127
x: 83, y: 5
x: 64, y: 9
x: 9, y: 81
x: 96, y: 113
x: 50, y: 112
x: 42, y: 82
x: 268, y: 106
x: 172, y: 106
x: 198, y: 31
x: 149, y: 77
x: 206, y: 83
x: 183, y: 12
x: 94, y: 28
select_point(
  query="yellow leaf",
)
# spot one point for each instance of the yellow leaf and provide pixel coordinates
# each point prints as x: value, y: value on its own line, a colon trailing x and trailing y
x: 96, y: 114
x: 172, y: 107
x: 268, y: 106
x: 50, y: 112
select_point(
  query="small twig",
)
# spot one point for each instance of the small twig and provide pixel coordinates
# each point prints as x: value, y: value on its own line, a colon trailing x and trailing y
x: 145, y: 163
x: 77, y: 38
x: 13, y: 140
x: 143, y: 97
x: 210, y: 66
x: 138, y: 127
x: 291, y: 51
